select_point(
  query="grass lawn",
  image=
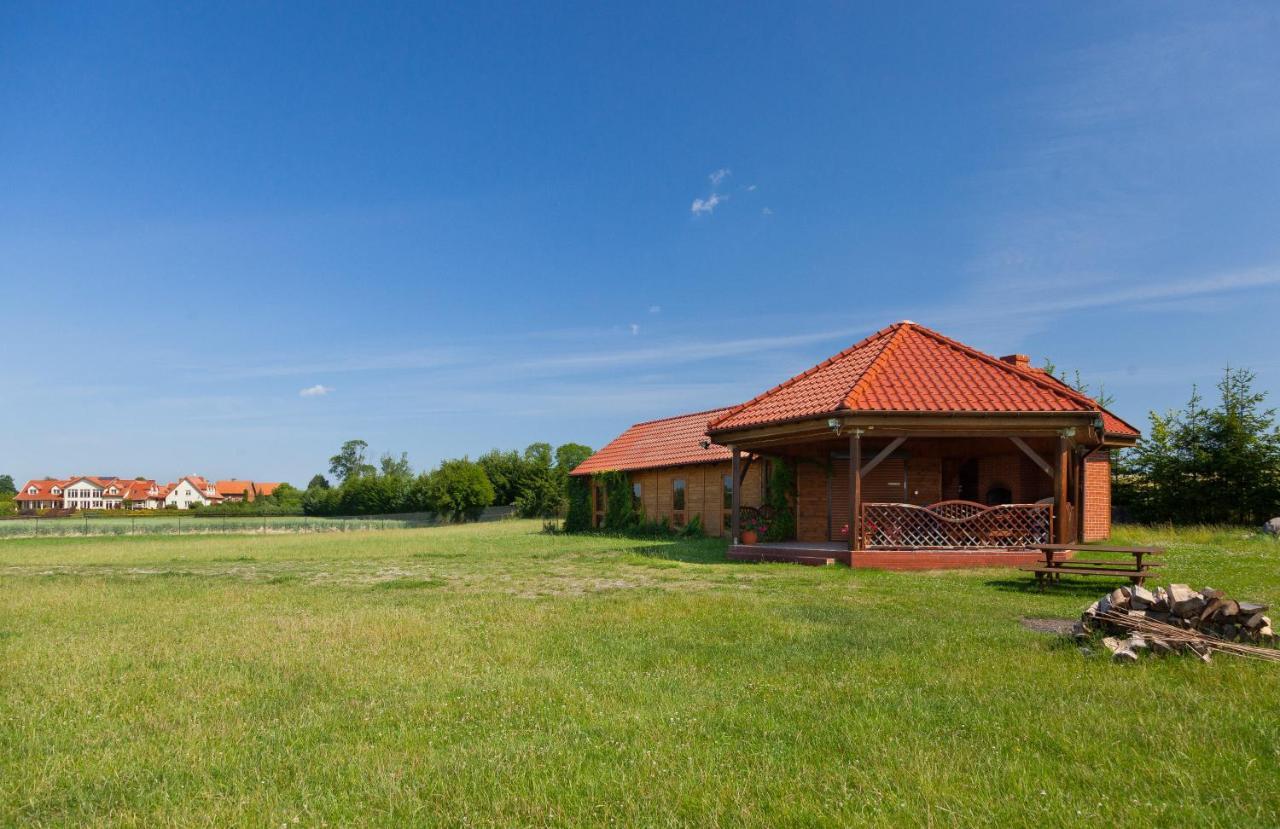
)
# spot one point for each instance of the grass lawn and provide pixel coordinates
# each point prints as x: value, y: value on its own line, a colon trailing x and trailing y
x: 491, y: 675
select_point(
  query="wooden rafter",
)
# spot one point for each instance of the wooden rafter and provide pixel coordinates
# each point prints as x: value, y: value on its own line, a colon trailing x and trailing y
x: 1031, y: 453
x: 884, y: 453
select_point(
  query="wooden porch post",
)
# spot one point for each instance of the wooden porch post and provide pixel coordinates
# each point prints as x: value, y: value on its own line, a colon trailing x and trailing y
x: 855, y: 491
x: 1061, y: 524
x: 735, y: 495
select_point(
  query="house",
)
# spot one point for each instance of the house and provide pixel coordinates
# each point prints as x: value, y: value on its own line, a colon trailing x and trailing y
x: 673, y: 475
x: 35, y: 496
x: 191, y: 491
x: 906, y: 441
x: 266, y: 488
x: 234, y: 490
x: 89, y: 492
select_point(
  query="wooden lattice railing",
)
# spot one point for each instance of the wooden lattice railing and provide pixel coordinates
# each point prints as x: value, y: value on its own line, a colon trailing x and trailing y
x: 955, y: 524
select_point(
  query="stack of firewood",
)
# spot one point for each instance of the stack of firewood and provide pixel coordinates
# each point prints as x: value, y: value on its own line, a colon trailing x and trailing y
x: 1177, y: 619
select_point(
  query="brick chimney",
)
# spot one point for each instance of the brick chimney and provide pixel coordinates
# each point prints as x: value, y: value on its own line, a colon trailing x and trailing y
x: 1019, y: 360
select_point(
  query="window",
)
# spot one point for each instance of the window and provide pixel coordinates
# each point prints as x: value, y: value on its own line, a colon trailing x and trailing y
x: 637, y: 502
x: 677, y: 502
x: 726, y: 484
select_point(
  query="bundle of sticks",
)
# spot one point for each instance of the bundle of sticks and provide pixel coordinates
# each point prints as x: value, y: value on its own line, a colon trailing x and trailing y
x: 1162, y: 635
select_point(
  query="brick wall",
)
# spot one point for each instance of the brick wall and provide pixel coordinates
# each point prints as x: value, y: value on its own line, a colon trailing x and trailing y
x: 1097, y: 496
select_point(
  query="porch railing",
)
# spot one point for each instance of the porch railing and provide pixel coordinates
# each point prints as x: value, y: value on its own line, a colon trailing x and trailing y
x: 955, y: 525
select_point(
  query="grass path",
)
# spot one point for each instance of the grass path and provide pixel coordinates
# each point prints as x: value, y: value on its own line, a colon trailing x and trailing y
x: 491, y: 675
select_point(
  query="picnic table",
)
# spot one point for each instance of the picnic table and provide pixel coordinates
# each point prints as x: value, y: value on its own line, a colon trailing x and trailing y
x: 1136, y: 571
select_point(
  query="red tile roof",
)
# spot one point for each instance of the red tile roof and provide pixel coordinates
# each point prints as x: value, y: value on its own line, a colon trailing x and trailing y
x: 672, y: 441
x: 910, y: 368
x: 43, y: 491
x: 233, y: 487
x: 266, y: 488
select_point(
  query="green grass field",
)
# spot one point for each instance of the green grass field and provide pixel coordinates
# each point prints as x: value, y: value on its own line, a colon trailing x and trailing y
x: 491, y: 675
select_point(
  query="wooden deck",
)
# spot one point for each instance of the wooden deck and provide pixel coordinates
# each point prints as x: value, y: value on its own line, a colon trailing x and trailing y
x: 827, y: 553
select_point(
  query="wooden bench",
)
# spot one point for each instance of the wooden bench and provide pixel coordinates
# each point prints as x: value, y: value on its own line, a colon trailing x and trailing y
x: 1135, y: 571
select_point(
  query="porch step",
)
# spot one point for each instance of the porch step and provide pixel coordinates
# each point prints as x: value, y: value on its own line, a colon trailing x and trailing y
x: 780, y: 557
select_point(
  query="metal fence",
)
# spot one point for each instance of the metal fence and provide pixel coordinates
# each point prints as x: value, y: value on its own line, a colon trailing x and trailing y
x: 193, y: 523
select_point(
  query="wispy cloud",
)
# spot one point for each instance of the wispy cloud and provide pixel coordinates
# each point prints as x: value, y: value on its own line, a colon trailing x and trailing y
x: 706, y: 205
x: 317, y: 390
x: 655, y: 309
x: 635, y: 328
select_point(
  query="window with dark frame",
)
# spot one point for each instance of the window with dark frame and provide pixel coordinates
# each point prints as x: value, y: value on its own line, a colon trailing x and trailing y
x: 726, y: 484
x: 677, y: 502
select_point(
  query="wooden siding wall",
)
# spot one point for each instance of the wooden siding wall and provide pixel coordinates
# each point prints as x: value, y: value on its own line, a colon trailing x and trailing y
x: 703, y: 493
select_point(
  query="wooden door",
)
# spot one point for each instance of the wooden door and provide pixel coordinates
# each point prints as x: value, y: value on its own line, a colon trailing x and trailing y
x: 886, y: 484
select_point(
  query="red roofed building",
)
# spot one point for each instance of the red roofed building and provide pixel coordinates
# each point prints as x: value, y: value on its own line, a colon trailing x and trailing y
x: 906, y: 440
x: 35, y: 496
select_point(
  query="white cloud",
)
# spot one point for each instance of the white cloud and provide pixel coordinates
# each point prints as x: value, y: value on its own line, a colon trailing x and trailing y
x: 655, y: 309
x: 635, y: 328
x: 751, y: 188
x: 706, y: 205
x: 766, y: 211
x: 315, y: 391
x: 719, y: 176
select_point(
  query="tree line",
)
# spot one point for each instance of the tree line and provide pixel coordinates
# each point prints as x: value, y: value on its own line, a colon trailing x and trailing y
x: 1205, y: 464
x: 535, y: 482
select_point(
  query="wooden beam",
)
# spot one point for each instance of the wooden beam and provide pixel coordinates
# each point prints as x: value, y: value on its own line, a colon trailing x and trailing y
x: 746, y: 467
x: 1061, y: 524
x: 1031, y: 453
x: 884, y: 453
x: 736, y: 496
x: 855, y: 491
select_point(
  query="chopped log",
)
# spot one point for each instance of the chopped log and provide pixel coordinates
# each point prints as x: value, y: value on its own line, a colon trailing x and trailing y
x: 1210, y: 609
x: 1250, y: 608
x: 1160, y: 646
x: 1124, y: 655
x: 1256, y: 621
x: 1228, y: 610
x: 1161, y: 604
x: 1210, y: 594
x: 1111, y: 643
x: 1119, y: 598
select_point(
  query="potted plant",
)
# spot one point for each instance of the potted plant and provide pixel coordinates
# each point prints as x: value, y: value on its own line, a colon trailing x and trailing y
x: 753, y: 527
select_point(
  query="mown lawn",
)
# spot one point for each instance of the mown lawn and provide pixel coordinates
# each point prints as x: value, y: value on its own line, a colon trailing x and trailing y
x: 492, y: 675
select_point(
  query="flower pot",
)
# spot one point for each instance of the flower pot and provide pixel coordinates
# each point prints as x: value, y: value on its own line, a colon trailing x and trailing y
x: 749, y: 537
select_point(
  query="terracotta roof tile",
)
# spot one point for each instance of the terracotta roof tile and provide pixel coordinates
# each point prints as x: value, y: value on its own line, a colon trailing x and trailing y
x: 910, y: 368
x: 672, y: 441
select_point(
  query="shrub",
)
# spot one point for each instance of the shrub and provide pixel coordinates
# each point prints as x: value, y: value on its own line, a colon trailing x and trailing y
x: 620, y: 512
x: 459, y: 490
x: 578, y: 517
x: 782, y: 484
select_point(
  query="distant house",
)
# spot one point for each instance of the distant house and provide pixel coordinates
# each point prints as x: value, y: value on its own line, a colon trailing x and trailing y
x: 90, y: 492
x: 234, y: 491
x: 265, y: 488
x: 40, y: 495
x: 190, y: 492
x: 907, y: 440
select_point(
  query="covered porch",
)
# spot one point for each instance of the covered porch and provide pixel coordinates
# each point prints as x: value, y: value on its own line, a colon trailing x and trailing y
x: 932, y: 489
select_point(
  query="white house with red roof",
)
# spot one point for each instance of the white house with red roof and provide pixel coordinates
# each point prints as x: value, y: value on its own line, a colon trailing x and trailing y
x: 192, y: 491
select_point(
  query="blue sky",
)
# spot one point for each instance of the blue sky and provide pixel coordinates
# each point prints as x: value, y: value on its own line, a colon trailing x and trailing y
x: 233, y: 236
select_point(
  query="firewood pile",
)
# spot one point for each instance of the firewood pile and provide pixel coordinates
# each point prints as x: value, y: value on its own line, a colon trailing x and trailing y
x: 1177, y: 619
